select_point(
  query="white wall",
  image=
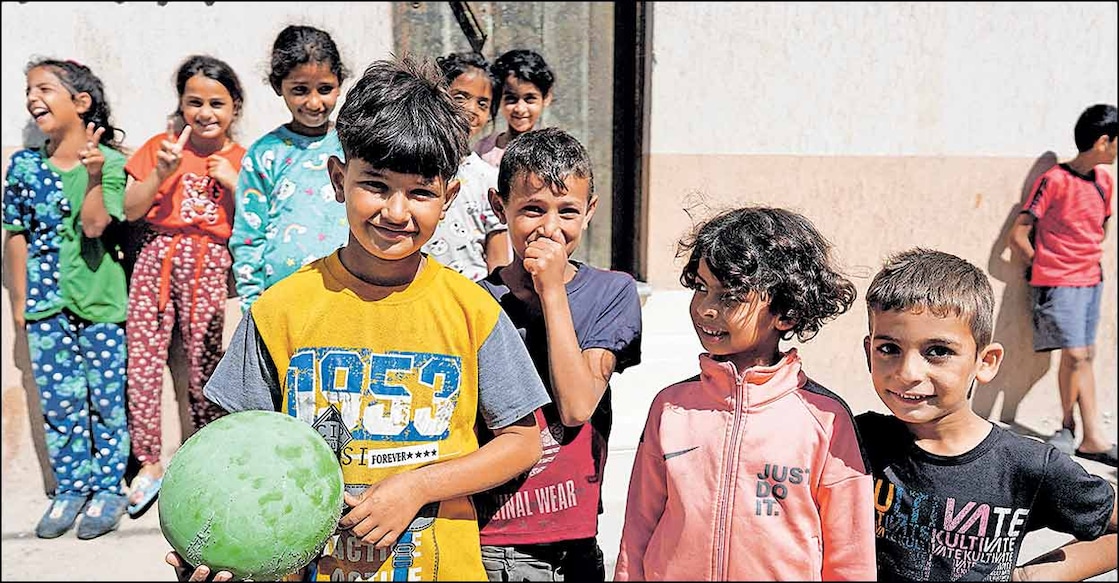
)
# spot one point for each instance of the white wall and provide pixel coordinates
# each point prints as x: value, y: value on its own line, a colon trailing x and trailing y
x: 897, y: 79
x: 135, y: 47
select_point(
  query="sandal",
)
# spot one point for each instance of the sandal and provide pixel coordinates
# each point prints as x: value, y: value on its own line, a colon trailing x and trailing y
x: 150, y: 489
x: 1108, y: 457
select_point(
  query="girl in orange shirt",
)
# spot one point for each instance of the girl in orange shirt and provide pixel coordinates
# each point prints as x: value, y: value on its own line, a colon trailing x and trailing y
x: 181, y: 183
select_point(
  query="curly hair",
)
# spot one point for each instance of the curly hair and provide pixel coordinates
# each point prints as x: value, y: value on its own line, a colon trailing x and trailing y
x: 78, y: 78
x: 776, y: 253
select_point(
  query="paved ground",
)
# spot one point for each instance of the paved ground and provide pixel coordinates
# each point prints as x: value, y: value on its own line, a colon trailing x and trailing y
x: 135, y: 552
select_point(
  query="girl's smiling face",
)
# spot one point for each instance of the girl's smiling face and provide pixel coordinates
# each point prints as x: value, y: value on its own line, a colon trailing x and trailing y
x: 207, y: 107
x: 50, y: 104
x: 310, y: 92
x: 474, y: 92
x: 522, y: 103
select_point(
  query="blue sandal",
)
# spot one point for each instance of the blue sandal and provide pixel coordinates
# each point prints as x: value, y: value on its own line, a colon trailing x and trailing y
x: 150, y: 488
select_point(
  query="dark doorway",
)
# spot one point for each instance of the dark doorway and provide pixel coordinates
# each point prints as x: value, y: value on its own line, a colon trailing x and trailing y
x: 598, y: 51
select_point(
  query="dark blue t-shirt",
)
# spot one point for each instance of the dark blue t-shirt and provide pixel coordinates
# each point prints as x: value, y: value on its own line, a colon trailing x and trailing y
x: 560, y: 497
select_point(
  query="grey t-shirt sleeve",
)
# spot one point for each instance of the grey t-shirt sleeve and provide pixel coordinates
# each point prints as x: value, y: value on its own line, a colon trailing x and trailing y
x: 508, y: 385
x: 245, y: 378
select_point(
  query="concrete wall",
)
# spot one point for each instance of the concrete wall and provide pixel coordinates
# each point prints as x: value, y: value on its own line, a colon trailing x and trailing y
x: 888, y: 125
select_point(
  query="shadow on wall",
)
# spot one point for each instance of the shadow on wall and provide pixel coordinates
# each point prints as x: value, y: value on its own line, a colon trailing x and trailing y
x: 1022, y: 367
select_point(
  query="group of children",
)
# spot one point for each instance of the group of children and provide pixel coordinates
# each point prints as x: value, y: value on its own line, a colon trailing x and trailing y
x: 471, y: 418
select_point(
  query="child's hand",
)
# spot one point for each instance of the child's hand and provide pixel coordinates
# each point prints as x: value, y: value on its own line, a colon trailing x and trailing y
x: 221, y: 169
x: 201, y: 573
x: 170, y: 153
x: 383, y: 511
x: 91, y: 156
x: 546, y: 259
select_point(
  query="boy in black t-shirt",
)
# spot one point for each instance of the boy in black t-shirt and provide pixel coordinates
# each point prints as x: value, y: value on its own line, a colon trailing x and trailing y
x: 955, y: 494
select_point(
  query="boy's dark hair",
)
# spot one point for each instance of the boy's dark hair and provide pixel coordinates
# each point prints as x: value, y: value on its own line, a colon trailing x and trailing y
x: 78, y: 78
x: 212, y: 68
x: 298, y: 45
x: 1096, y: 121
x: 551, y: 154
x: 776, y: 253
x: 936, y: 281
x: 398, y: 116
x: 526, y: 65
x: 455, y: 64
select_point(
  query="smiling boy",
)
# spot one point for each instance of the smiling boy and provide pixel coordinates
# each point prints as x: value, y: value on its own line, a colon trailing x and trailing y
x: 954, y: 494
x: 385, y: 350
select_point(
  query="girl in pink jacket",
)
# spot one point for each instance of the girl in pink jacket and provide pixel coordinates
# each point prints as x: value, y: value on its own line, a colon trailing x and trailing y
x: 750, y: 470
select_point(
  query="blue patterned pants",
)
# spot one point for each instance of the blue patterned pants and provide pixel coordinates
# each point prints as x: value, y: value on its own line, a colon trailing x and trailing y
x: 80, y: 369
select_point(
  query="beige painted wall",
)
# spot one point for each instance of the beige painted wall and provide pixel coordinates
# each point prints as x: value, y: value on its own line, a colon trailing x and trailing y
x: 889, y: 126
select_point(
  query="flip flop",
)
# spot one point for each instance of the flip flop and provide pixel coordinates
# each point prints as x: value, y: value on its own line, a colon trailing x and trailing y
x: 150, y: 489
x: 1109, y: 457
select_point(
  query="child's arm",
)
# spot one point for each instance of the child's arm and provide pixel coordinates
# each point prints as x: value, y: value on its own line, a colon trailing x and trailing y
x: 385, y: 509
x: 250, y: 223
x: 509, y: 393
x: 15, y: 270
x: 497, y: 250
x: 645, y: 502
x: 94, y: 216
x: 1020, y: 236
x: 846, y: 501
x: 17, y: 217
x: 579, y: 377
x: 140, y: 194
x: 1077, y: 560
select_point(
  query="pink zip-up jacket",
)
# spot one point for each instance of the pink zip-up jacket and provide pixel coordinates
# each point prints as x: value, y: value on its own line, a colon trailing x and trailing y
x: 757, y: 476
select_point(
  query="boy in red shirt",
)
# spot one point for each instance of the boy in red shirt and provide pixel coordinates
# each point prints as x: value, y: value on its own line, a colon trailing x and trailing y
x: 1067, y: 213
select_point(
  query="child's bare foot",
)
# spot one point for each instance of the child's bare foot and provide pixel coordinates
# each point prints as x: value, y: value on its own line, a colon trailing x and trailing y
x: 144, y: 488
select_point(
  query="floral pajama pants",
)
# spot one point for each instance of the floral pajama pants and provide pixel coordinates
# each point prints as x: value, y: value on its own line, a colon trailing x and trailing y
x: 79, y: 367
x: 178, y: 280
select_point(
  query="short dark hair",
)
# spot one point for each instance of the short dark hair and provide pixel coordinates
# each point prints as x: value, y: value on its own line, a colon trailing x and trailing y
x: 399, y: 116
x: 777, y: 254
x: 455, y: 64
x: 936, y: 281
x: 298, y: 45
x: 551, y: 154
x: 1098, y: 120
x: 526, y: 65
x: 211, y: 68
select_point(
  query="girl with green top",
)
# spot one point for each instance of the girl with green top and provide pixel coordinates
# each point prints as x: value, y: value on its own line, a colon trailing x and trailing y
x: 68, y: 291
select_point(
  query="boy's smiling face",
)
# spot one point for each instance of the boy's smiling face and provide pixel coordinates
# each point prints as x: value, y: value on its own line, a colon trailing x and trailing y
x: 391, y: 215
x: 923, y: 365
x: 535, y: 210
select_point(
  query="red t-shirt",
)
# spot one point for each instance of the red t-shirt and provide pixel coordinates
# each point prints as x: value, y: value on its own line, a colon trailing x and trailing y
x: 1071, y: 210
x: 189, y: 201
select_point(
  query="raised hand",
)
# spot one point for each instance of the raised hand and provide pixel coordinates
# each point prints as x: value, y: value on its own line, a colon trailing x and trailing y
x: 546, y: 259
x: 221, y: 169
x: 91, y: 156
x: 170, y: 153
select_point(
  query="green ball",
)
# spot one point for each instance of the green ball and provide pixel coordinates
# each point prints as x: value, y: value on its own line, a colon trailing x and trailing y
x: 256, y: 493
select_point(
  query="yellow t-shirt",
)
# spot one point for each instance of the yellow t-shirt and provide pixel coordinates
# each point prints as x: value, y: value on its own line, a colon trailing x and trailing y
x: 393, y: 384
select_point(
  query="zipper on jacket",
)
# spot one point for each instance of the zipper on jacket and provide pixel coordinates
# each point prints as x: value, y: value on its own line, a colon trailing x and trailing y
x: 732, y: 469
